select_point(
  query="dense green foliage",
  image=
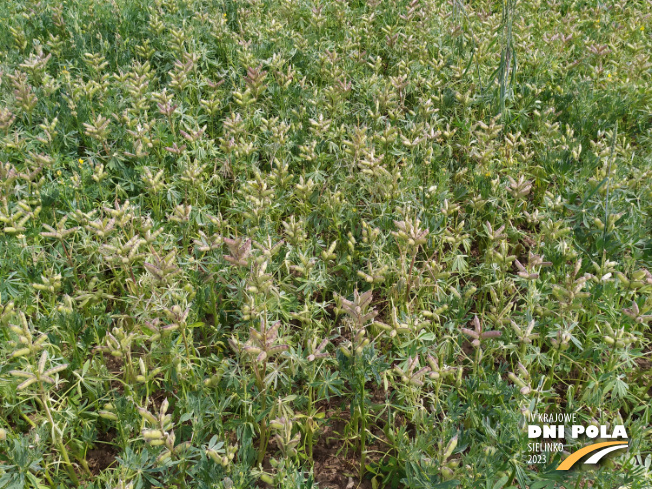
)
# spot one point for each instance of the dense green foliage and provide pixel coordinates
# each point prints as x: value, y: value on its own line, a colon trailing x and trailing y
x: 322, y: 243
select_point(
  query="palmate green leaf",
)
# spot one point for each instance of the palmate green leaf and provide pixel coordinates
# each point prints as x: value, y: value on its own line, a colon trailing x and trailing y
x: 459, y: 264
x: 20, y: 464
x: 330, y: 385
x: 617, y: 387
x: 5, y: 479
x: 35, y: 481
x: 12, y: 481
x: 9, y: 285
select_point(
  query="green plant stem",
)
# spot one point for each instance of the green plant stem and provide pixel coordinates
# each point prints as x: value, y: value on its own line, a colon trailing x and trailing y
x: 363, y: 431
x: 46, y: 474
x: 31, y: 423
x: 260, y: 381
x: 309, y: 443
x: 57, y: 437
x: 437, y: 387
x: 129, y: 371
x: 70, y: 262
x: 215, y: 309
x: 551, y: 370
x: 476, y: 364
x: 606, y: 199
x: 309, y: 427
x: 189, y: 354
x: 409, y: 276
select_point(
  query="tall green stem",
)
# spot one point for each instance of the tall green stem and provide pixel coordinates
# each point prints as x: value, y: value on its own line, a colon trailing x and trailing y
x: 58, y: 439
x: 260, y: 381
x: 409, y: 277
x: 363, y: 430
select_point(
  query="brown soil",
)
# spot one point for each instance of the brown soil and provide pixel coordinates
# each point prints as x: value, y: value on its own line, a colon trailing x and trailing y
x: 113, y: 364
x: 157, y: 398
x: 101, y: 458
x: 341, y: 470
x: 644, y: 363
x: 333, y: 471
x: 103, y: 455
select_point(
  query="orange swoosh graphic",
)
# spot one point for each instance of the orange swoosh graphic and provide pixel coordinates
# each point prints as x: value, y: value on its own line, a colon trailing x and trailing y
x: 570, y: 461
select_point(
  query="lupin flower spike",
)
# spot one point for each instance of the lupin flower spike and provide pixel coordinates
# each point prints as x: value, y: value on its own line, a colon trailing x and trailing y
x: 317, y: 352
x: 408, y: 375
x: 478, y: 335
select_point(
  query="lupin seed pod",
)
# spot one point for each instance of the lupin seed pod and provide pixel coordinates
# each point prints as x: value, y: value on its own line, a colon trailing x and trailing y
x: 21, y: 352
x: 268, y: 479
x: 213, y: 455
x: 108, y: 415
x: 460, y: 376
x: 163, y: 457
x: 450, y: 447
x: 150, y: 435
x: 147, y: 415
x: 446, y: 473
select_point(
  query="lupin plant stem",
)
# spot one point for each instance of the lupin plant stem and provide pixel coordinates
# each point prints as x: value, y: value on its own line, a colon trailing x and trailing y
x: 46, y: 474
x: 648, y: 386
x: 551, y: 371
x: 84, y: 464
x: 476, y: 364
x: 70, y: 262
x: 215, y: 309
x: 133, y: 278
x: 363, y: 431
x: 57, y: 436
x: 606, y: 203
x: 26, y: 418
x: 185, y: 343
x: 309, y: 443
x: 409, y: 276
x: 262, y: 448
x: 579, y: 480
x: 309, y: 427
x: 260, y: 381
x: 359, y: 414
x: 613, y: 359
x: 129, y: 369
x: 437, y: 387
